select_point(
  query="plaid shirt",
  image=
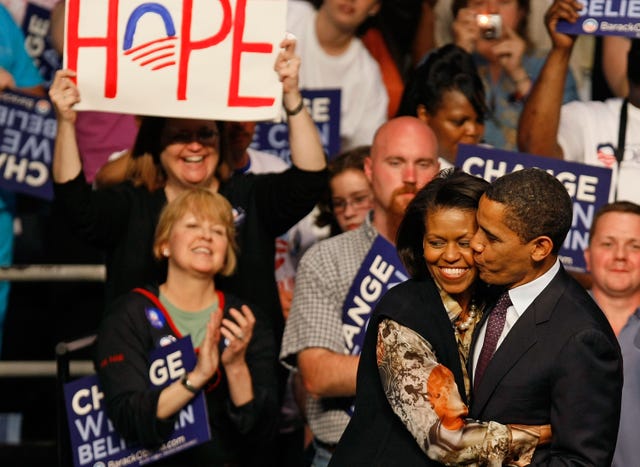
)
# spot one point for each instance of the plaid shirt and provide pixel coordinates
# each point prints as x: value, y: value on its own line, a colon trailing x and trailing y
x: 324, y: 276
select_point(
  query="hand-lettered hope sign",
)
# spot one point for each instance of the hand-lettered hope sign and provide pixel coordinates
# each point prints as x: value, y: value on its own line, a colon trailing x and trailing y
x: 208, y: 59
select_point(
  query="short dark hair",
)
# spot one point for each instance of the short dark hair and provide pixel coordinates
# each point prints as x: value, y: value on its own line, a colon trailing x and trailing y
x: 149, y: 141
x: 449, y: 68
x: 450, y: 189
x: 536, y: 204
x: 619, y: 206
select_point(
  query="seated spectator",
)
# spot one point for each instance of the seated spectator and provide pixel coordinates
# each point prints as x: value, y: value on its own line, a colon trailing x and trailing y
x: 195, y: 235
x: 605, y: 134
x: 613, y: 257
x: 446, y: 92
x: 506, y: 62
x: 334, y: 58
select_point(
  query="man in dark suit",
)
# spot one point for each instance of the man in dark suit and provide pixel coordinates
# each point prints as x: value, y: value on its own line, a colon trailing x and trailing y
x: 556, y: 359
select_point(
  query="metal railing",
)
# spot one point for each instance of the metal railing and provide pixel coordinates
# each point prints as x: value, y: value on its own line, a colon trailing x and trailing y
x: 53, y: 272
x: 63, y: 368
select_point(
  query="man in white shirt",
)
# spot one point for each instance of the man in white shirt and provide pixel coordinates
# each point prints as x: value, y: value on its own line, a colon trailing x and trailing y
x: 555, y: 359
x: 605, y: 134
x: 334, y: 58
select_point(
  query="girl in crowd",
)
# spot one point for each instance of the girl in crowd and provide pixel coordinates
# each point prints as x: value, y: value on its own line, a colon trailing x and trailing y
x: 446, y: 92
x: 350, y: 197
x: 195, y: 236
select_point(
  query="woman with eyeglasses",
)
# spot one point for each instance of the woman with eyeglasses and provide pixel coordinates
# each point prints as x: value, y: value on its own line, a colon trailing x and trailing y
x: 188, y: 153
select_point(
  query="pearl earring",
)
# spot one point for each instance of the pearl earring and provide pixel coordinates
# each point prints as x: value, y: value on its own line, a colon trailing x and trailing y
x: 165, y: 252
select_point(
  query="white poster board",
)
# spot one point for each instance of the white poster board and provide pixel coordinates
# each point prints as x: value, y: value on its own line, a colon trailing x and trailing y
x: 210, y: 59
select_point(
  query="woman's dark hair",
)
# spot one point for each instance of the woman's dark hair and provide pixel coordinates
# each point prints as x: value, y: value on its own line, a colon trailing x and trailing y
x: 522, y: 28
x: 451, y: 189
x: 449, y: 68
x: 150, y: 141
x: 352, y: 159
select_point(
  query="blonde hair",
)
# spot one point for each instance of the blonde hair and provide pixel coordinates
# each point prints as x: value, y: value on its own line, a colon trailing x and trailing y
x: 204, y: 204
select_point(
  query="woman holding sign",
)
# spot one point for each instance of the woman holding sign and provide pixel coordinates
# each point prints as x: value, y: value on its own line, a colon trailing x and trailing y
x: 234, y: 367
x: 188, y: 153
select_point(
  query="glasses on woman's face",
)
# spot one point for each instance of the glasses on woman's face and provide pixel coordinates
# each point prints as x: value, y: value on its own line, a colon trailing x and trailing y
x: 205, y: 136
x: 357, y: 202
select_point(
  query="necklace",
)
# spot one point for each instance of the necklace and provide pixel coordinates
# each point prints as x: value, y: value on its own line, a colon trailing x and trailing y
x: 462, y: 325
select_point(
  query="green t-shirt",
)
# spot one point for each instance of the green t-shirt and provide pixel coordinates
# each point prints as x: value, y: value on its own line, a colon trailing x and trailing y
x: 192, y: 323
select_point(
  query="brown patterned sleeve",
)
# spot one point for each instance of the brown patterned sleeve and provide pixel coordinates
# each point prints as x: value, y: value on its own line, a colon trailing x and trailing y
x: 424, y: 395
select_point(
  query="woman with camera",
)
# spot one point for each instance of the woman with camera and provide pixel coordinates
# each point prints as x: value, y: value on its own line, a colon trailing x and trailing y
x: 495, y: 32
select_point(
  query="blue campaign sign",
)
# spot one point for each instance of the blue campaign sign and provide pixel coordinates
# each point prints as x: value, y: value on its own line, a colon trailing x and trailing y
x: 588, y: 186
x: 27, y: 134
x: 94, y: 440
x: 36, y: 27
x: 324, y: 107
x: 606, y: 18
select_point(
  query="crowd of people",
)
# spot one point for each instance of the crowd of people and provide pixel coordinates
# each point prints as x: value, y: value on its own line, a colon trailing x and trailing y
x: 376, y: 306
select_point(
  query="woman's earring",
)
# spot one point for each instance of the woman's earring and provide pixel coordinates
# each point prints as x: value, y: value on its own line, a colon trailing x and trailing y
x: 165, y: 252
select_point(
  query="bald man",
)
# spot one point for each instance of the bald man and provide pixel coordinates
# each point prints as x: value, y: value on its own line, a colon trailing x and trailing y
x: 340, y: 280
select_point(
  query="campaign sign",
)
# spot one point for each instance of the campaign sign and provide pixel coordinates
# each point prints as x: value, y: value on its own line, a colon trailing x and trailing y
x: 210, y: 59
x: 324, y: 108
x: 36, y: 26
x: 27, y: 134
x: 605, y: 18
x: 94, y: 440
x: 588, y: 186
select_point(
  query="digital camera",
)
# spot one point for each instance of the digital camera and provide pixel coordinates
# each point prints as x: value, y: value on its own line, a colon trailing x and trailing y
x: 490, y: 26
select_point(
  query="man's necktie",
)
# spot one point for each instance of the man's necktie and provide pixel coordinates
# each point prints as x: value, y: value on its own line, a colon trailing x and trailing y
x: 495, y: 325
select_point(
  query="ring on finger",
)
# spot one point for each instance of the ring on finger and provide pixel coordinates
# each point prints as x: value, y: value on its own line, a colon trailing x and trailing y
x: 240, y: 335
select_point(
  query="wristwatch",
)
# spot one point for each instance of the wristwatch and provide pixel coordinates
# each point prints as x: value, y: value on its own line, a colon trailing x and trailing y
x: 187, y: 384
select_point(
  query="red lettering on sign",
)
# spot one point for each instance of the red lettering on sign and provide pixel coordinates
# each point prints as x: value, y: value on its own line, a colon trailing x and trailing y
x: 239, y: 47
x: 110, y: 42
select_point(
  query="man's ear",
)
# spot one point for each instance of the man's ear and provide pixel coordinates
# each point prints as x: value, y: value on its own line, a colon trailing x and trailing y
x: 367, y: 168
x: 542, y: 247
x: 587, y: 258
x: 422, y: 114
x: 375, y: 8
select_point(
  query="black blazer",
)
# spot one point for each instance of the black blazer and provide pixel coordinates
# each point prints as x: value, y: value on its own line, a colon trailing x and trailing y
x: 559, y: 364
x: 375, y: 436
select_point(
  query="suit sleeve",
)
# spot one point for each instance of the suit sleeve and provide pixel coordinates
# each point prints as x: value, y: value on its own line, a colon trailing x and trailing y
x: 586, y: 401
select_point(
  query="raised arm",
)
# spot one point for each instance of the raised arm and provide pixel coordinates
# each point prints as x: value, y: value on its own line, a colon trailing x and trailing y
x: 304, y: 139
x: 66, y: 156
x: 540, y: 118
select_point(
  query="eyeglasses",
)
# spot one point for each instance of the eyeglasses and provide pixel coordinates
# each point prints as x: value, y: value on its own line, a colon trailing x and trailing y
x: 205, y: 136
x: 357, y: 202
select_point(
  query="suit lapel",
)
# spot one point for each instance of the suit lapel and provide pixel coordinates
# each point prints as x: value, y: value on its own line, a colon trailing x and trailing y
x: 521, y: 338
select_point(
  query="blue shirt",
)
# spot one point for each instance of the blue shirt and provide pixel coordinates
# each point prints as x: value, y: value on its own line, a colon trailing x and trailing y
x: 501, y: 125
x: 13, y: 56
